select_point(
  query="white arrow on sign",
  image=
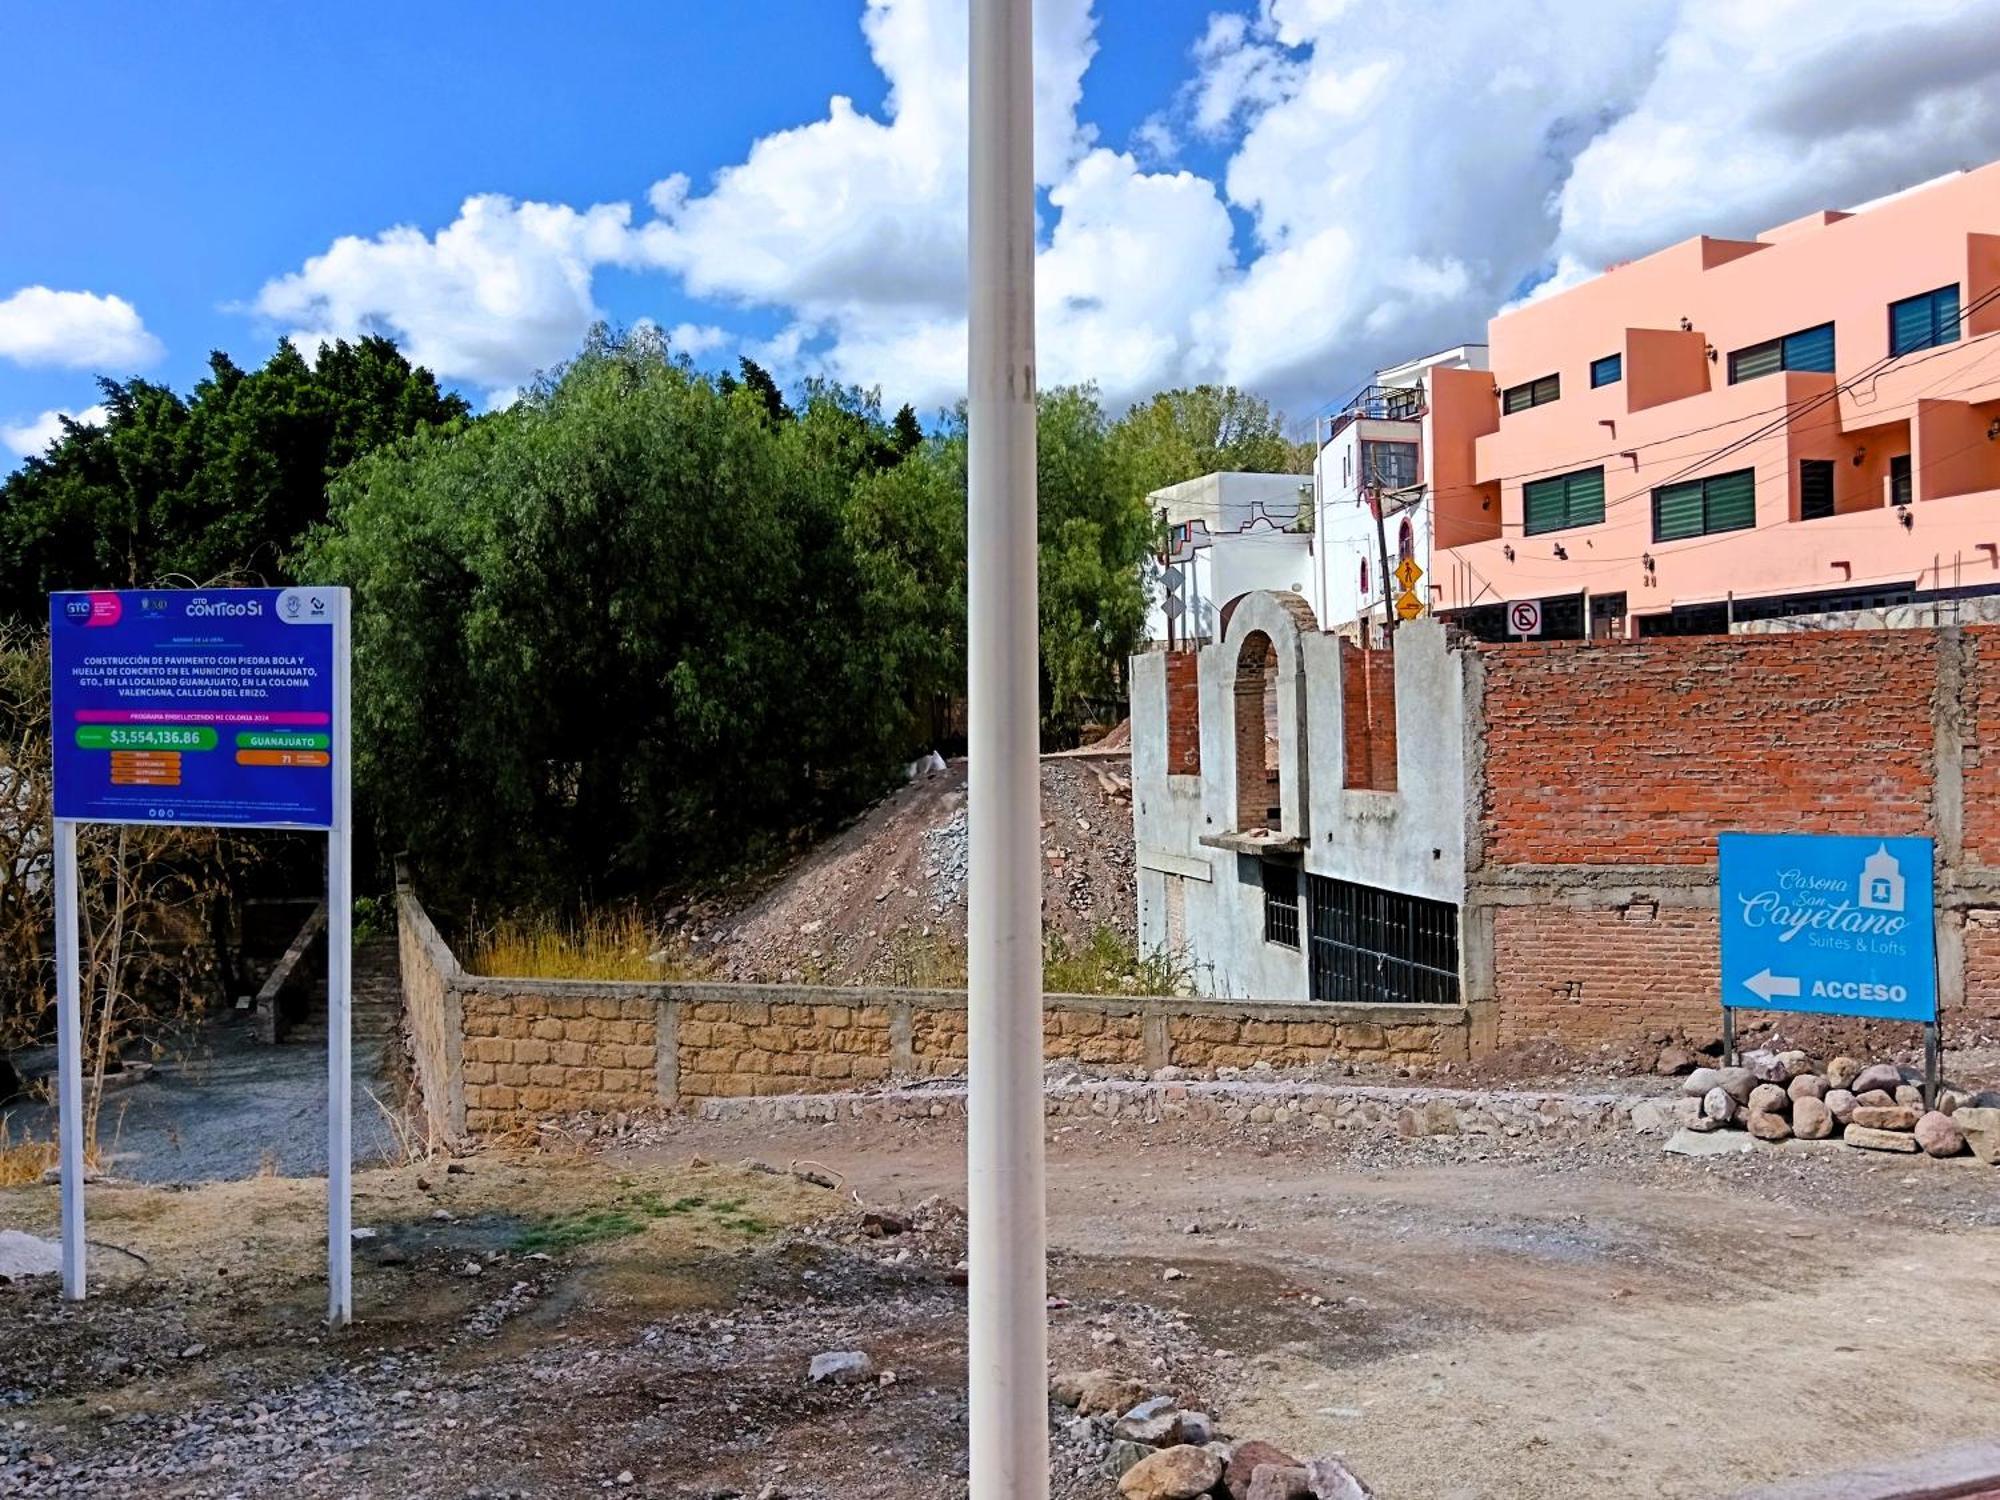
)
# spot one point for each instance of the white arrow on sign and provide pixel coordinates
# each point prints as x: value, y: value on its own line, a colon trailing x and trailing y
x: 1765, y: 985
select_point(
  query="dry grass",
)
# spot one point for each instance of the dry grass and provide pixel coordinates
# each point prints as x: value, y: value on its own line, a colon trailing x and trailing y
x: 23, y: 1162
x: 613, y: 944
x: 1102, y: 964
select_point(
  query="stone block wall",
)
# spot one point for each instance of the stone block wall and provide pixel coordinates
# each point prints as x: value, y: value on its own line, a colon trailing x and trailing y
x: 491, y: 1054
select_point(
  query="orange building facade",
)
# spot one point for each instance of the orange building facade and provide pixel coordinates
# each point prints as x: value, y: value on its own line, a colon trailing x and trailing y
x: 1730, y: 430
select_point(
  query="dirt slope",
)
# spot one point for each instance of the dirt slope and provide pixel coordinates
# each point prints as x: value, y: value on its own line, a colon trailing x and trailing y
x: 884, y: 901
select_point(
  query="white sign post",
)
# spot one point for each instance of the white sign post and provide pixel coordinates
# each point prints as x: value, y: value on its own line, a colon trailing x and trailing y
x: 219, y: 708
x: 1525, y: 618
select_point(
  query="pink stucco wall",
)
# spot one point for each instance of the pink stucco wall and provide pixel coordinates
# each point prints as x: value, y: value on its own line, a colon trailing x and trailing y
x: 1673, y: 413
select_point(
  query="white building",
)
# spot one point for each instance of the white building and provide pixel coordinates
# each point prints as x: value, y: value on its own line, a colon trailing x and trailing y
x: 1230, y: 534
x: 1376, y: 454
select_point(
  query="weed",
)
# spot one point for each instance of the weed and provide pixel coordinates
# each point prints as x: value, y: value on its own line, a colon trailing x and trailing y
x: 572, y: 1231
x: 612, y: 944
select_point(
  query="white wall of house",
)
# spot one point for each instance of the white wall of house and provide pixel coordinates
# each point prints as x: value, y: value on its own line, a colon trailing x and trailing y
x: 1239, y: 533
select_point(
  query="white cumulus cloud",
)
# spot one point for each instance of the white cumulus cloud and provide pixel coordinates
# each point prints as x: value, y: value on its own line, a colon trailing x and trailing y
x: 74, y: 331
x: 31, y: 439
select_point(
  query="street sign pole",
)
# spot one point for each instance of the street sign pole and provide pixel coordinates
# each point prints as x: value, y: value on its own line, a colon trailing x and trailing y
x: 340, y: 999
x: 1007, y: 1364
x: 69, y: 1059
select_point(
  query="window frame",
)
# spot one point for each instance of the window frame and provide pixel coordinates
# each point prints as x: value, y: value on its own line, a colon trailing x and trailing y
x: 1708, y: 527
x: 1570, y: 521
x: 1281, y: 913
x: 1831, y: 469
x: 1598, y: 379
x: 1370, y: 479
x: 1782, y: 345
x: 1532, y: 394
x: 1937, y: 336
x: 1903, y: 478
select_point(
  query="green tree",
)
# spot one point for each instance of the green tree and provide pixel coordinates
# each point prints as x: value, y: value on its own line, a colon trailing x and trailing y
x: 220, y: 484
x: 1183, y: 434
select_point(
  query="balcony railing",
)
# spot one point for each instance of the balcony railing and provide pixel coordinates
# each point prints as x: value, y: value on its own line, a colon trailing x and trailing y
x: 1381, y: 403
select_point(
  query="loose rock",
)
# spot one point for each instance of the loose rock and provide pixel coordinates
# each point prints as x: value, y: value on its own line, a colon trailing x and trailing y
x: 1842, y: 1071
x: 1700, y: 1081
x: 842, y: 1367
x: 1883, y: 1117
x: 1841, y: 1104
x: 1247, y: 1458
x: 1765, y: 1067
x: 1980, y: 1126
x: 1807, y: 1086
x: 1939, y: 1134
x: 1279, y: 1482
x: 1738, y: 1082
x: 1884, y: 1076
x: 1863, y: 1137
x: 1769, y: 1099
x: 1172, y: 1474
x: 1719, y: 1106
x: 1768, y: 1125
x: 1811, y: 1119
x: 1333, y: 1480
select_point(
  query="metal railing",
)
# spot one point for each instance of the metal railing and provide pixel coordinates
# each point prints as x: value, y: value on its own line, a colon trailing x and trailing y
x: 1381, y: 403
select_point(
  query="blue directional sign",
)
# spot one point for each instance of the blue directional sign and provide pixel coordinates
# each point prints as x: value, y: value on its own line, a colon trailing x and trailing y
x: 1843, y: 926
x: 196, y: 706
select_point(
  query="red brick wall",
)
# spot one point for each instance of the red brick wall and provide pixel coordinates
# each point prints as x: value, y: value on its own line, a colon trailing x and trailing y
x: 1981, y: 1010
x: 1579, y: 977
x: 1183, y: 714
x: 1368, y: 711
x: 1641, y: 752
x: 1982, y: 766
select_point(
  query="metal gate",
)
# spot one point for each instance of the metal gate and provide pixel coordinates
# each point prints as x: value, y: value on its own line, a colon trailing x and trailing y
x: 1376, y: 947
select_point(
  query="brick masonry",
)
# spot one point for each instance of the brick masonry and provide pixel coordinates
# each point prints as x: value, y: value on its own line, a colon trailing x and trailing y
x: 1183, y: 713
x: 490, y: 1054
x: 1606, y: 770
x: 1368, y: 707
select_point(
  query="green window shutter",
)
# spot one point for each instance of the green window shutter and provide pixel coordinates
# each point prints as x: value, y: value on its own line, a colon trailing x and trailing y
x: 1547, y: 389
x: 1732, y: 501
x: 1810, y: 349
x: 1758, y: 359
x: 1815, y: 488
x: 1677, y: 511
x: 1586, y: 497
x: 1544, y: 505
x: 1517, y: 398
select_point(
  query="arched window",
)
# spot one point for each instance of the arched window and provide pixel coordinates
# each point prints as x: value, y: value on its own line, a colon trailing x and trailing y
x: 1406, y: 541
x: 1258, y: 798
x: 1364, y: 578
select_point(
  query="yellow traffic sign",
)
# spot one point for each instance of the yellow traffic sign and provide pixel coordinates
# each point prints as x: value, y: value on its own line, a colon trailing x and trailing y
x: 1408, y: 606
x: 1407, y: 573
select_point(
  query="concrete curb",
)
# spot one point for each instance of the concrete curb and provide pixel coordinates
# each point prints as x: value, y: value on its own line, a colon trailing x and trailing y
x: 1969, y: 1471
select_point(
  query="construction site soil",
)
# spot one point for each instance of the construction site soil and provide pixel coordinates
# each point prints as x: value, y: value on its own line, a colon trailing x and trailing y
x: 883, y: 902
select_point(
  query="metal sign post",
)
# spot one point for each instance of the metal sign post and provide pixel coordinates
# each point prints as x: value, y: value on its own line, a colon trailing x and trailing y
x: 217, y: 708
x: 1832, y: 925
x: 1007, y: 1357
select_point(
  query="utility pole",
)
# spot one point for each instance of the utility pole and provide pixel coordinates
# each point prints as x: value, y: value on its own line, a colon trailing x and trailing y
x: 1382, y: 540
x: 1007, y: 1365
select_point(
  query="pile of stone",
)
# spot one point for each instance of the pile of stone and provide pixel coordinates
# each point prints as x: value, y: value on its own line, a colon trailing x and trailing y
x: 1779, y: 1096
x: 1158, y: 1450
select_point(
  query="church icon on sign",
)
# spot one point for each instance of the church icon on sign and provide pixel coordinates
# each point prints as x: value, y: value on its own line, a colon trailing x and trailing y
x: 1882, y: 881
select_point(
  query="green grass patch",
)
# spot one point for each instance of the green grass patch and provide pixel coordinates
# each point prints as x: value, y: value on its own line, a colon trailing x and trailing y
x: 565, y: 1232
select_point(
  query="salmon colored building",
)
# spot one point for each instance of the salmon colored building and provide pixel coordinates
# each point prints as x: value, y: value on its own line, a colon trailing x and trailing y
x: 1736, y: 429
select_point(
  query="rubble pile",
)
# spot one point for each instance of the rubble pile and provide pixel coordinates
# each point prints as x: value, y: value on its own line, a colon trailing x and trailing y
x: 1779, y: 1096
x: 1157, y: 1450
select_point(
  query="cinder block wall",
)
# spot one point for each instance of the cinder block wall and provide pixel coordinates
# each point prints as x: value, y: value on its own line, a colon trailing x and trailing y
x: 490, y: 1054
x: 1605, y: 772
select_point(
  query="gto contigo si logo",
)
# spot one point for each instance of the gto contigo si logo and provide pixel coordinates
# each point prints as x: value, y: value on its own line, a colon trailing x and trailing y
x: 199, y: 608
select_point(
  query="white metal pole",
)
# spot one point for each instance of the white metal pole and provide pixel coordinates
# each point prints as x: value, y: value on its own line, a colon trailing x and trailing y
x: 339, y: 1009
x: 69, y: 1058
x: 1008, y: 1344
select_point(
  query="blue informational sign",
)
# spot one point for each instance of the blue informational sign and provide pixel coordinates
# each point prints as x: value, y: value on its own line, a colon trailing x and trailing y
x: 1843, y: 926
x: 201, y: 706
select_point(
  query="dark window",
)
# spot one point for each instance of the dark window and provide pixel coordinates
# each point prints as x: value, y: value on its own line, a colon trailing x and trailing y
x: 1406, y: 542
x: 1815, y: 488
x: 1364, y: 575
x: 1722, y: 502
x: 1376, y: 947
x: 1531, y: 393
x: 1281, y: 904
x: 1607, y: 616
x: 1922, y: 322
x: 1808, y: 349
x: 1564, y: 501
x: 1899, y: 479
x: 1390, y: 466
x: 1607, y: 371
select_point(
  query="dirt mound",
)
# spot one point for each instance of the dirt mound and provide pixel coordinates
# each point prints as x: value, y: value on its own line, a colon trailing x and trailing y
x: 884, y: 901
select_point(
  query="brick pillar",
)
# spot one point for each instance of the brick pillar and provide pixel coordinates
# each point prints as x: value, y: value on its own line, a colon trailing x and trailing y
x: 1183, y: 713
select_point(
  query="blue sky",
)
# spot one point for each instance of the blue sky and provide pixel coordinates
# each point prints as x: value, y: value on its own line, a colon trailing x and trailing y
x: 1283, y: 194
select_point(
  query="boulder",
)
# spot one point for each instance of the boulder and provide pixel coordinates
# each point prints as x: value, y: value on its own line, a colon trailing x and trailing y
x: 1883, y: 1117
x: 1246, y: 1459
x: 1737, y: 1082
x: 1840, y: 1102
x: 1719, y: 1106
x: 1910, y: 1094
x: 1769, y: 1099
x: 1721, y: 1143
x: 1842, y: 1071
x: 1765, y: 1066
x: 843, y: 1367
x: 1687, y: 1112
x: 1811, y: 1119
x: 1279, y: 1482
x: 1094, y: 1391
x: 1980, y: 1125
x: 1655, y: 1116
x: 1795, y: 1063
x: 1120, y: 1457
x: 1161, y: 1424
x: 1333, y: 1480
x: 1179, y: 1473
x: 1883, y: 1076
x: 1807, y: 1086
x: 1874, y: 1098
x: 1700, y: 1081
x: 1768, y: 1125
x: 1939, y: 1135
x: 1674, y: 1061
x: 1878, y: 1140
